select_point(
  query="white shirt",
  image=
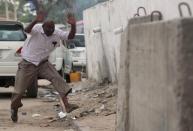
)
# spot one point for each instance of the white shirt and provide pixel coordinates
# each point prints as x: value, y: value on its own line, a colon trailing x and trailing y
x: 39, y: 46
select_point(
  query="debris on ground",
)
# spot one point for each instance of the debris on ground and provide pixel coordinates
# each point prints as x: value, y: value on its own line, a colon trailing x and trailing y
x: 62, y: 115
x: 96, y: 101
x: 93, y: 99
x: 36, y: 115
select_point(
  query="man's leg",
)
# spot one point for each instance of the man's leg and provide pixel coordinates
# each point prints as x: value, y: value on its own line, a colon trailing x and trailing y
x: 48, y: 71
x: 26, y: 73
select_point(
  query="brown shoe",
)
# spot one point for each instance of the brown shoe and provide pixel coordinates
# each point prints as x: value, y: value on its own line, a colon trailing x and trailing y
x: 71, y: 107
x: 14, y: 115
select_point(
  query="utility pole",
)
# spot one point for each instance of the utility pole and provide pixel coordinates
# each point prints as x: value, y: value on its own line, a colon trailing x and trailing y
x: 15, y: 13
x: 6, y: 10
x: 15, y: 9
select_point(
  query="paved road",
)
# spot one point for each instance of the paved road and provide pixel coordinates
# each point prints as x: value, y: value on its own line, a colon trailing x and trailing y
x: 46, y: 108
x: 26, y: 121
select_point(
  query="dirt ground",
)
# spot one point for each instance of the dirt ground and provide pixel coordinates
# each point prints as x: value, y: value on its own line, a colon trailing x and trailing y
x: 96, y: 112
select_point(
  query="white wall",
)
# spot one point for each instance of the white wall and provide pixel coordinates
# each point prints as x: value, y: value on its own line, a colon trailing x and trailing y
x: 103, y: 48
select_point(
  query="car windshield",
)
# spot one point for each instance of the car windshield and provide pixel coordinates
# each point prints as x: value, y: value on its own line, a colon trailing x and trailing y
x: 11, y: 33
x: 75, y: 43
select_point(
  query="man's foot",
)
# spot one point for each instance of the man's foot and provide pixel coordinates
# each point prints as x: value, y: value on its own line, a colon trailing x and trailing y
x: 14, y: 115
x: 71, y: 107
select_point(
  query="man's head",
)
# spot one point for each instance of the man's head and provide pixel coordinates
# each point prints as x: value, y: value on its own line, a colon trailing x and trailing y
x: 48, y: 27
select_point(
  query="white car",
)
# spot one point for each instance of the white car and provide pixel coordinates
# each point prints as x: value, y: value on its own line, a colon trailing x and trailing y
x: 77, y: 50
x: 12, y: 38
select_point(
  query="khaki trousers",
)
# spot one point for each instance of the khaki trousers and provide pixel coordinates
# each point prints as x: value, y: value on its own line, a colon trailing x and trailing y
x: 28, y: 72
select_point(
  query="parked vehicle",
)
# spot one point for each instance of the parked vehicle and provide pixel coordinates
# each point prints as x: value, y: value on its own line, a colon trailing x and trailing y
x: 74, y: 54
x: 12, y: 38
x: 77, y: 51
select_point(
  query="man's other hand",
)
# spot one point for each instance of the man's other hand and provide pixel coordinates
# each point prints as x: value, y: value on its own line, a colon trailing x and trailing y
x: 40, y: 16
x: 71, y: 20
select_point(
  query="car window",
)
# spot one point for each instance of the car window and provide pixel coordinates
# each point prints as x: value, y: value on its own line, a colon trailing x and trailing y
x: 11, y: 33
x: 79, y: 38
x: 75, y: 42
x: 79, y: 41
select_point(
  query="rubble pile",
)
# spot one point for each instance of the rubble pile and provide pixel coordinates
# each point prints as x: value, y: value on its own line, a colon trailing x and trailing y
x: 92, y: 98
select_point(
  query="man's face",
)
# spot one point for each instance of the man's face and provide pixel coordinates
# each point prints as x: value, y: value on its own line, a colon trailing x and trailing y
x: 48, y: 28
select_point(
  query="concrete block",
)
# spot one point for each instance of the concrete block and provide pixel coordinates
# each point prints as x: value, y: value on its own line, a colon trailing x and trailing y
x: 156, y: 93
x: 123, y: 85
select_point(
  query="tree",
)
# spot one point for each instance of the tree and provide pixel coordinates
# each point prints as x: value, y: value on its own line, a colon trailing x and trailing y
x: 57, y: 9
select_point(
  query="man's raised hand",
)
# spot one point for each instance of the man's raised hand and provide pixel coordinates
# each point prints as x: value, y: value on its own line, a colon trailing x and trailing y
x: 71, y: 19
x: 40, y: 16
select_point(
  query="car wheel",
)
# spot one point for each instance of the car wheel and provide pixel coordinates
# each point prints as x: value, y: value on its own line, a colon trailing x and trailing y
x: 32, y: 92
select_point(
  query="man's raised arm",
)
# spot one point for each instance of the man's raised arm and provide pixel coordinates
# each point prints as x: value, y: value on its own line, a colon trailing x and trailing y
x: 39, y: 18
x: 72, y: 22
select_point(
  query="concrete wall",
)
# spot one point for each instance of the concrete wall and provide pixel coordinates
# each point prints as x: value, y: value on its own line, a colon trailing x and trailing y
x: 97, y: 57
x: 155, y: 82
x: 152, y: 63
x: 112, y: 16
x: 104, y: 44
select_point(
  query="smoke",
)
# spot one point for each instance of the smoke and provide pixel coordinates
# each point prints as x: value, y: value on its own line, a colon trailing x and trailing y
x: 35, y: 4
x: 70, y: 4
x: 39, y: 5
x: 58, y: 10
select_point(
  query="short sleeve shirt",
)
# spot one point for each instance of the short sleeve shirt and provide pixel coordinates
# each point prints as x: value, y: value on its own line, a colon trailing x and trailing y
x: 39, y: 46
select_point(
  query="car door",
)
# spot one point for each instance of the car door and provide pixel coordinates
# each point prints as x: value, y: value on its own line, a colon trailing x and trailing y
x: 12, y: 38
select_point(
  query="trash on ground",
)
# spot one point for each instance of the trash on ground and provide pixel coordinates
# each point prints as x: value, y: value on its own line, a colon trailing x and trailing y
x: 36, y: 115
x: 102, y: 107
x: 62, y: 115
x: 74, y: 118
